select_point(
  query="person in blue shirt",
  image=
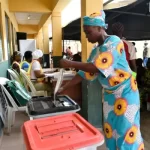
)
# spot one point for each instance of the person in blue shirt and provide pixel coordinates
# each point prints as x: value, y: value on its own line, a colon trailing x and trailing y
x: 107, y: 63
x: 28, y: 59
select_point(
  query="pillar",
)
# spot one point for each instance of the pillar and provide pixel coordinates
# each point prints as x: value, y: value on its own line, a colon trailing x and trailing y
x: 56, y: 38
x: 88, y: 8
x: 37, y: 41
x: 3, y: 31
x: 40, y: 40
x: 91, y: 91
x: 46, y: 46
x: 10, y: 37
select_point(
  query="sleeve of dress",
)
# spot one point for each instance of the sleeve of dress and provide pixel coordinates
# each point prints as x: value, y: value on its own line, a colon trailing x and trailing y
x: 87, y: 75
x: 109, y: 55
x: 36, y: 66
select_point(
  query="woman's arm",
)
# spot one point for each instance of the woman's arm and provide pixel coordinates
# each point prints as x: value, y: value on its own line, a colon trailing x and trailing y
x: 87, y: 67
x: 133, y: 65
x: 38, y: 74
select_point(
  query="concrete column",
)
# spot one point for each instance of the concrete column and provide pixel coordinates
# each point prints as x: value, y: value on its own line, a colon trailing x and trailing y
x: 3, y: 30
x: 37, y: 41
x: 10, y: 37
x: 46, y: 46
x: 91, y: 91
x: 88, y: 7
x: 40, y: 39
x: 56, y: 38
x: 45, y: 40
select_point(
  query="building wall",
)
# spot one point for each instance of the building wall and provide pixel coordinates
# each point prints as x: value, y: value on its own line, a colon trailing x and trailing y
x: 5, y: 7
x: 5, y: 64
x: 29, y: 29
x: 30, y: 36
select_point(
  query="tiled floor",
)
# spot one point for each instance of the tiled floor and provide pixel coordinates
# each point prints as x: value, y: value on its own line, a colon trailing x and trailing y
x: 15, y: 140
x: 145, y: 124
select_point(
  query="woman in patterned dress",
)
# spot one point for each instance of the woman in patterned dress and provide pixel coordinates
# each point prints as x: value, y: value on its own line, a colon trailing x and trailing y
x: 107, y: 63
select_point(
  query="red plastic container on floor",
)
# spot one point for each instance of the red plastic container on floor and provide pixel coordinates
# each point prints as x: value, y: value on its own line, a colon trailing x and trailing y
x: 64, y: 132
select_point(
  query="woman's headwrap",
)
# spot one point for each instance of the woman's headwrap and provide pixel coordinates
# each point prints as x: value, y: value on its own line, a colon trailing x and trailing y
x: 37, y: 54
x: 95, y: 19
x: 16, y: 53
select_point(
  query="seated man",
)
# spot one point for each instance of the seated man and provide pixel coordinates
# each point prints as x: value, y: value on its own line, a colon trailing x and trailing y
x: 36, y: 74
x: 28, y: 59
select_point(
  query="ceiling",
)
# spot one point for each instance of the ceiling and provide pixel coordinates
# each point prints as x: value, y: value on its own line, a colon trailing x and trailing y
x: 118, y: 1
x: 73, y: 9
x: 74, y: 12
x: 113, y: 4
x: 134, y: 17
x: 34, y: 18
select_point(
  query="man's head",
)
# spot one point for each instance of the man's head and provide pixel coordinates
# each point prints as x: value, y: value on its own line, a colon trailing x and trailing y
x: 118, y: 29
x: 133, y: 43
x: 38, y: 55
x: 94, y: 26
x: 28, y: 56
x: 145, y: 44
x: 68, y: 51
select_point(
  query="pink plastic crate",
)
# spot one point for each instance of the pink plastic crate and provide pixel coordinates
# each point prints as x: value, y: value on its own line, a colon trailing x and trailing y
x: 64, y: 132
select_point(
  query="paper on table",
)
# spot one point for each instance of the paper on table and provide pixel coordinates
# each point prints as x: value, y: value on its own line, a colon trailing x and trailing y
x: 59, y: 81
x: 56, y: 74
x: 49, y: 70
x: 52, y: 74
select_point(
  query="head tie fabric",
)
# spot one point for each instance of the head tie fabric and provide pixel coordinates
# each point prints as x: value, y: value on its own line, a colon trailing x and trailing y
x: 37, y: 54
x: 95, y: 19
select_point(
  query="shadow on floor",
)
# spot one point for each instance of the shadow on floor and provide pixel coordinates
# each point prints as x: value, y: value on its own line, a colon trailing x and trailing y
x: 145, y: 125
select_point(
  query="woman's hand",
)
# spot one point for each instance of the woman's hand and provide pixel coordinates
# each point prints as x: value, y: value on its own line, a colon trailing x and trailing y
x: 65, y: 63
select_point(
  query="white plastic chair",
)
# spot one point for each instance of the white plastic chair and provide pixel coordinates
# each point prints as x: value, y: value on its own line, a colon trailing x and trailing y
x: 34, y: 92
x: 8, y: 110
x: 11, y: 109
x: 13, y: 75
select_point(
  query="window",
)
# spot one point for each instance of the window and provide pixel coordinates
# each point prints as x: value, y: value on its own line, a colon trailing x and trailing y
x: 15, y: 40
x: 13, y: 37
x: 7, y: 35
x: 1, y: 48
